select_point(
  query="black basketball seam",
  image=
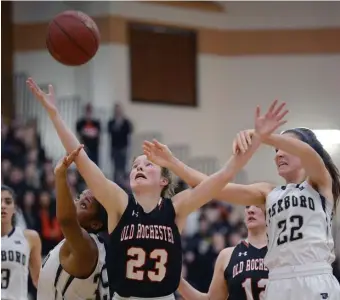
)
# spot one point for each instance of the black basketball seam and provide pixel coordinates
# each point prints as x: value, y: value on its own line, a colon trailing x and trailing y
x: 95, y: 37
x: 54, y: 52
x: 72, y: 39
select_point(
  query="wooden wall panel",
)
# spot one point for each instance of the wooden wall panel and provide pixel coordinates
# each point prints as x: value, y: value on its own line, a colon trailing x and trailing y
x: 7, y: 101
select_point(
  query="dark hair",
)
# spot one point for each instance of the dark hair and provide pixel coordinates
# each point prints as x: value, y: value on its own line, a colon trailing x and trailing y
x: 8, y: 189
x: 102, y: 217
x: 11, y: 191
x: 308, y: 136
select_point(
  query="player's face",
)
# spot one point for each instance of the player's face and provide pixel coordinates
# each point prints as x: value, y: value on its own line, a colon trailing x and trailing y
x: 87, y: 208
x: 287, y: 164
x: 7, y: 207
x: 255, y: 217
x: 145, y: 174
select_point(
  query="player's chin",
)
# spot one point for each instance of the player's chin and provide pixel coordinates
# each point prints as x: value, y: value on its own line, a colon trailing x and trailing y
x: 251, y: 224
x: 5, y: 219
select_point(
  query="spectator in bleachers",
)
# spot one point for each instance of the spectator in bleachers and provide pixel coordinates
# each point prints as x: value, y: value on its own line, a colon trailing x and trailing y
x: 29, y: 208
x: 50, y: 230
x: 88, y: 130
x: 120, y: 129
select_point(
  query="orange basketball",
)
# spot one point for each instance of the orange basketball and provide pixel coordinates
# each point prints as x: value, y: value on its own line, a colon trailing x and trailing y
x: 72, y: 38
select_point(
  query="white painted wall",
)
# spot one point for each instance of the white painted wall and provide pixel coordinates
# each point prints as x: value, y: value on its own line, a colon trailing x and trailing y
x: 229, y: 87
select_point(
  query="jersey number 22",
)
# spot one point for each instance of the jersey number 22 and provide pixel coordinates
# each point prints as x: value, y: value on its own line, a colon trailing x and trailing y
x: 138, y: 259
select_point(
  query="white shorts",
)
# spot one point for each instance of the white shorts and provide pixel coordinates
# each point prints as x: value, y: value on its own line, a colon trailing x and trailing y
x: 310, y: 282
x: 117, y: 297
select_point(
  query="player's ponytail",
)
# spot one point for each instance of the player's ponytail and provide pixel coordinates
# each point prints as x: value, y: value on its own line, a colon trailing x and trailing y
x: 308, y: 136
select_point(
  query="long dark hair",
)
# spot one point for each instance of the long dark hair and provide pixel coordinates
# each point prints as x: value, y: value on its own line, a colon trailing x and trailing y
x: 11, y: 191
x: 308, y: 136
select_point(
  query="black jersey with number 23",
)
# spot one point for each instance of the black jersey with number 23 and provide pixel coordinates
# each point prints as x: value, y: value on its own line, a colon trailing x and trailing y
x: 145, y: 256
x: 246, y: 274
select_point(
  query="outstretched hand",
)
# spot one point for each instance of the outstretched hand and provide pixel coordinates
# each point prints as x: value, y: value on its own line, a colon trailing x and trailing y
x: 47, y: 100
x: 67, y: 160
x: 266, y: 124
x: 157, y: 153
x: 242, y: 141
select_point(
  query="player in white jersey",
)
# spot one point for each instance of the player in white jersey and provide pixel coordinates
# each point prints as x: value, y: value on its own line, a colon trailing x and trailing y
x: 300, y: 245
x: 299, y: 215
x: 75, y: 269
x: 20, y: 251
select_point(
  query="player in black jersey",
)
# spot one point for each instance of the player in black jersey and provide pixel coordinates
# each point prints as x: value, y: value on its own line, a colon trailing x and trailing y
x: 145, y: 256
x: 239, y: 271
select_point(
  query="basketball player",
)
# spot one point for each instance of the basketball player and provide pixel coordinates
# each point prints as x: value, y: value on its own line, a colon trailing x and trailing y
x: 299, y: 214
x: 75, y: 268
x: 239, y: 272
x: 20, y: 251
x: 145, y: 256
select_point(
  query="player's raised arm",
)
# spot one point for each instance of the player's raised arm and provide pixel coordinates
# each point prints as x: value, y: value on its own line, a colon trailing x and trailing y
x: 232, y: 193
x: 295, y: 142
x: 109, y: 194
x: 189, y: 200
x: 84, y: 252
x: 218, y: 289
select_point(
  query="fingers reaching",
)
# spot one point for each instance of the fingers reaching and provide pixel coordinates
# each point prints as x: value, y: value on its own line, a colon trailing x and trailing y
x: 258, y: 112
x: 272, y: 106
x: 69, y: 159
x: 248, y: 137
x: 242, y: 141
x: 279, y: 109
x: 158, y: 144
x: 50, y: 89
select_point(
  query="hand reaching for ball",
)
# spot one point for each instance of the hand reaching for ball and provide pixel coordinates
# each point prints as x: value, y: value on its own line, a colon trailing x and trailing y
x: 158, y: 153
x: 47, y: 100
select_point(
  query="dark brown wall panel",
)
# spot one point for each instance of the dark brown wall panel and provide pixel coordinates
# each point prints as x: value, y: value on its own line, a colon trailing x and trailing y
x: 162, y: 64
x: 7, y: 101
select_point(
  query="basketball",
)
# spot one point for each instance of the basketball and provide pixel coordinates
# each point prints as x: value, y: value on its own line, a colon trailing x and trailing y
x: 72, y: 38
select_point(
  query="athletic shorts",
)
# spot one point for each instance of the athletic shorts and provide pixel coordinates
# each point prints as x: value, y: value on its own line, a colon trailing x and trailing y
x: 306, y: 282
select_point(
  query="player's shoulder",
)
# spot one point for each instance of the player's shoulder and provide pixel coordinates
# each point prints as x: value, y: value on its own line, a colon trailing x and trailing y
x: 31, y: 235
x: 224, y: 257
x: 227, y: 251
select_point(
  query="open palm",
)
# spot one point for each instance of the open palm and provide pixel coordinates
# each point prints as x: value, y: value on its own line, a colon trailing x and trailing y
x: 157, y: 153
x: 47, y: 100
x: 271, y: 120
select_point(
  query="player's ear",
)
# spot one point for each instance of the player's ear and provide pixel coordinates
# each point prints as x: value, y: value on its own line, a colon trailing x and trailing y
x: 164, y: 181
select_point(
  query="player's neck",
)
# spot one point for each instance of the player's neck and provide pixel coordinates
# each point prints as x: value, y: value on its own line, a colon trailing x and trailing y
x: 296, y: 178
x: 257, y: 238
x: 6, y: 229
x: 148, y: 200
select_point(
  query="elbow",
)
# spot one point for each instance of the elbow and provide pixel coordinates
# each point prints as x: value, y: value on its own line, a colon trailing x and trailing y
x: 35, y: 278
x: 35, y: 282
